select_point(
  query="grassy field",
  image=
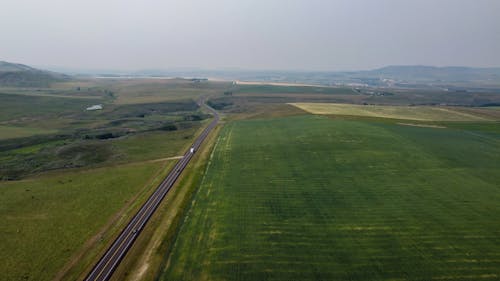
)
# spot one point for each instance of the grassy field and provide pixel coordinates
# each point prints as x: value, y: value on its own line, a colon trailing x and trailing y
x: 388, y: 96
x: 281, y: 89
x: 15, y: 106
x: 154, y: 145
x: 11, y: 132
x: 46, y: 220
x: 315, y: 198
x: 161, y: 90
x: 70, y: 178
x: 419, y: 113
x: 40, y: 132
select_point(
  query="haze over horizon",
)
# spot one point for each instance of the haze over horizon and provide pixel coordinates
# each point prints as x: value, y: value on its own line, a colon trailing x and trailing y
x: 253, y: 35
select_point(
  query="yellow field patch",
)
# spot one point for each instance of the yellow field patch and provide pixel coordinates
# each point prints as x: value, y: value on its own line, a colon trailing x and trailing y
x: 418, y: 113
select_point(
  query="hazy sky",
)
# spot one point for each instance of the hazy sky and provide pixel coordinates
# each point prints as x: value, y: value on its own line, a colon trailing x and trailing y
x: 249, y: 34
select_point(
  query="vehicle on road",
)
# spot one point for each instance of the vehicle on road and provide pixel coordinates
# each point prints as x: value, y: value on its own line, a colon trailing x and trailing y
x: 112, y: 257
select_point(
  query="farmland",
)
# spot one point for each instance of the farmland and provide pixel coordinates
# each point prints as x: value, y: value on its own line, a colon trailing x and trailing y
x: 355, y: 194
x: 420, y: 113
x: 390, y: 96
x: 315, y: 198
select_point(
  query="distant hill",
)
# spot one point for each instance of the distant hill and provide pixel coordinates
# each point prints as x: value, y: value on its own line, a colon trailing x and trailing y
x: 20, y: 75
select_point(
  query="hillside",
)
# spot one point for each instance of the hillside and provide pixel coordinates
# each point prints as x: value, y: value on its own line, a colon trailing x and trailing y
x: 20, y: 75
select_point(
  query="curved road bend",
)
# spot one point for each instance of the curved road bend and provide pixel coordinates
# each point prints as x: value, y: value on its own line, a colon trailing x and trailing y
x: 115, y: 253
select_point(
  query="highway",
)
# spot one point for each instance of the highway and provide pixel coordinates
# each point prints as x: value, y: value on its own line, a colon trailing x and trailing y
x: 117, y: 251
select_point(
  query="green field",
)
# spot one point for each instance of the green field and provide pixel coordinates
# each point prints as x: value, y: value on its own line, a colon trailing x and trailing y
x: 32, y: 107
x: 11, y: 132
x: 46, y: 220
x: 161, y: 90
x: 71, y: 178
x: 292, y: 198
x: 41, y: 132
x: 315, y: 198
x: 154, y: 145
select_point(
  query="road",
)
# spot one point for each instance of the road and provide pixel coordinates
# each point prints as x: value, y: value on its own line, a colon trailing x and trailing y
x: 117, y: 251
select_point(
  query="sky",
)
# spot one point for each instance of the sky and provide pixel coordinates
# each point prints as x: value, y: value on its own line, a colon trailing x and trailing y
x: 250, y: 34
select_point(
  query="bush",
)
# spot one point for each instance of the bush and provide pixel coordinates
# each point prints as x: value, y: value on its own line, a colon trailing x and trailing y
x: 169, y: 127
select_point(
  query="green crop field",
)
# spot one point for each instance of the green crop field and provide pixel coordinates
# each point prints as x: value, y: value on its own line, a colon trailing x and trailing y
x: 316, y: 198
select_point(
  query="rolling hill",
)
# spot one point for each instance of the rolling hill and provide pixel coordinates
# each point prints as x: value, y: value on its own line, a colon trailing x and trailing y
x: 20, y: 75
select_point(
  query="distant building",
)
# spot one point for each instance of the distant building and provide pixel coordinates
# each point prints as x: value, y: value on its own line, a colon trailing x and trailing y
x: 95, y: 107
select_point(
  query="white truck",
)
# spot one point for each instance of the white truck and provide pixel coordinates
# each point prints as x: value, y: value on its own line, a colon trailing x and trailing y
x: 191, y: 150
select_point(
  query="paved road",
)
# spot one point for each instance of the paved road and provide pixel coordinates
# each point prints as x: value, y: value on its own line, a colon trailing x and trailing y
x: 111, y: 259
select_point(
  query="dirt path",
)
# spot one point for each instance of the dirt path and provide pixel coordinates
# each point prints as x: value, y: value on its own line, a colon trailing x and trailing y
x: 422, y: 125
x: 164, y: 159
